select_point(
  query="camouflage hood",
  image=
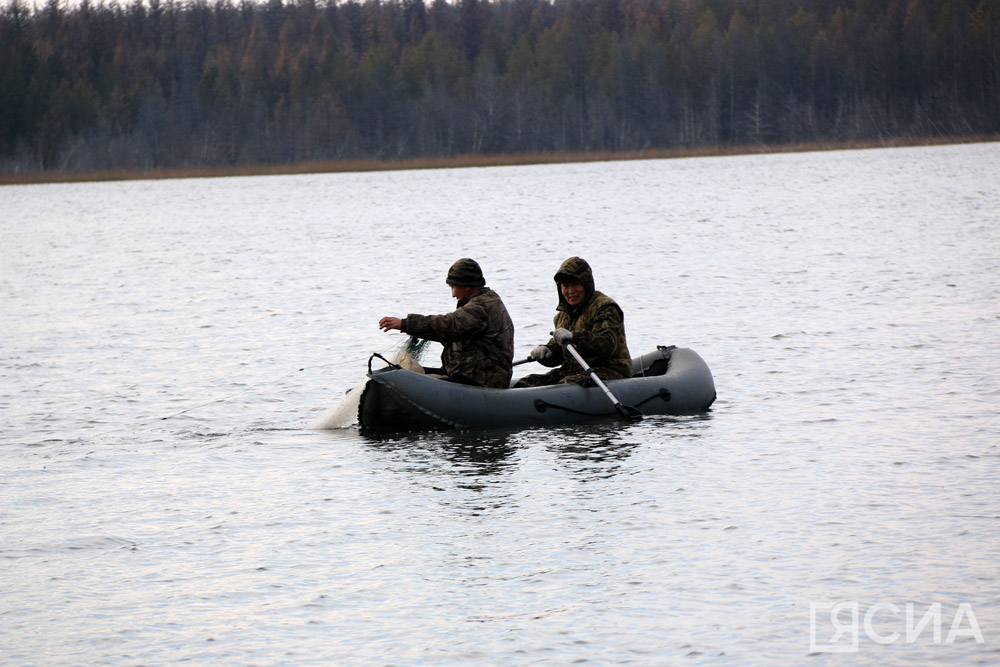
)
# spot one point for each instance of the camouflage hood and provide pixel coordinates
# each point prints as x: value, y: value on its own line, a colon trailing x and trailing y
x: 575, y: 268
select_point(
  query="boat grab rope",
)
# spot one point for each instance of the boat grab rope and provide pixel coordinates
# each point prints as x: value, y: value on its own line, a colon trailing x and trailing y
x: 433, y: 415
x: 663, y: 393
x: 543, y: 405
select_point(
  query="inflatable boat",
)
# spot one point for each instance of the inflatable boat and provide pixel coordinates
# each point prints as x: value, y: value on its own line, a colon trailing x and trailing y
x: 667, y: 381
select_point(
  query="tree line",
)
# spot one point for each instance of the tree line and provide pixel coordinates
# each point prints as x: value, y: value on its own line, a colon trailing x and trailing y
x: 166, y: 83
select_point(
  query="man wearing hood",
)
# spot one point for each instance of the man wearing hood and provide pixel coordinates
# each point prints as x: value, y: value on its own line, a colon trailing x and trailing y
x: 478, y: 337
x: 592, y: 322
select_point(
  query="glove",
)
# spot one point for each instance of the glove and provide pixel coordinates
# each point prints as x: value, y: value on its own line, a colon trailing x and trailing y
x: 540, y: 353
x: 562, y: 336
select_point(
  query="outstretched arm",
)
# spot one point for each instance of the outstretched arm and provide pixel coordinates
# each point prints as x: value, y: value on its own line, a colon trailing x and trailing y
x: 467, y: 321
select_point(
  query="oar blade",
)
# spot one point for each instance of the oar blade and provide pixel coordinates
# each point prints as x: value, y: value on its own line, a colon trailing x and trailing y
x: 629, y: 412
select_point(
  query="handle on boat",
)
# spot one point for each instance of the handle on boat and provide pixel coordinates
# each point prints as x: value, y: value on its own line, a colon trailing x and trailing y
x: 626, y: 411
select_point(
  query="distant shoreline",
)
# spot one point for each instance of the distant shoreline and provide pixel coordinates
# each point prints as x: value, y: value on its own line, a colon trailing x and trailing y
x: 461, y: 161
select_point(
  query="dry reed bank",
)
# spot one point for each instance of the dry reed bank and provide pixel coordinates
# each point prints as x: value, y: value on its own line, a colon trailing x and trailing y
x: 461, y: 161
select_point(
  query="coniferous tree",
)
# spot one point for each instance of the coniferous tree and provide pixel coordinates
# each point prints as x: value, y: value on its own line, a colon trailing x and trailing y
x: 159, y: 83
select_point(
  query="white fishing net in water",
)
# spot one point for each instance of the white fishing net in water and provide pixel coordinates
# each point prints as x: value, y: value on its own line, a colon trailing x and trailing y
x: 345, y: 414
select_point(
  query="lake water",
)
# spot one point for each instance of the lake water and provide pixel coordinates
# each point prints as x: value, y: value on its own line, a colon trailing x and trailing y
x: 165, y: 347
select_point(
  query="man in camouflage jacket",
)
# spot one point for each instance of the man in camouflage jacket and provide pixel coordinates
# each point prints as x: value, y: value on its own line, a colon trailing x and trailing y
x: 478, y: 337
x: 595, y: 325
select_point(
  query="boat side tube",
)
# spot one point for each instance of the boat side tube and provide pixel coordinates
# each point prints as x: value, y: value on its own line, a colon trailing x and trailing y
x: 676, y: 381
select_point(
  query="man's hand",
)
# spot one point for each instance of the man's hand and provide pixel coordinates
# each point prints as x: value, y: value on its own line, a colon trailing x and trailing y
x: 387, y: 323
x: 540, y: 353
x: 562, y: 336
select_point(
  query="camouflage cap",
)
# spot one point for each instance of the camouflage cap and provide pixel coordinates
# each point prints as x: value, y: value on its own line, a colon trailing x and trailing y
x: 465, y: 273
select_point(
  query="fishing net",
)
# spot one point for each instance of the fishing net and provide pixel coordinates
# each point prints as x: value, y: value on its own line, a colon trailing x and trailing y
x: 407, y: 354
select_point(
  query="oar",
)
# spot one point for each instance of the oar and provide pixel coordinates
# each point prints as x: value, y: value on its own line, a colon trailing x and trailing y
x: 626, y: 411
x: 522, y: 361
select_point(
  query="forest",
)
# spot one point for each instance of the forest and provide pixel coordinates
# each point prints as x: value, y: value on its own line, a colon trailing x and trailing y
x: 149, y: 84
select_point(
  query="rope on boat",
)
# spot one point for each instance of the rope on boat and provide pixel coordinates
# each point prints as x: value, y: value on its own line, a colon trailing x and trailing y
x: 542, y: 405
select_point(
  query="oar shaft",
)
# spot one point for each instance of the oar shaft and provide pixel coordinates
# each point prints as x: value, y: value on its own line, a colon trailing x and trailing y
x: 593, y: 375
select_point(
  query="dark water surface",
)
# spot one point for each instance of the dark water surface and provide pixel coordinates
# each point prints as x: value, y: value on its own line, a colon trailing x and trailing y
x: 166, y: 345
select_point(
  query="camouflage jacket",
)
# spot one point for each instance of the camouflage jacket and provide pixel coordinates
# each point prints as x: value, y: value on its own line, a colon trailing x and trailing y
x: 478, y: 339
x: 598, y: 326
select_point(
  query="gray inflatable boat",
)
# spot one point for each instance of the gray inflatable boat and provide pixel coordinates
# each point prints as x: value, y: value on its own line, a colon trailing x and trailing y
x: 668, y: 381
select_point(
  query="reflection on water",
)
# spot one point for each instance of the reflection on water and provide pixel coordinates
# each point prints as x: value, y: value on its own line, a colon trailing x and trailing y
x: 495, y: 451
x: 480, y: 456
x: 594, y: 451
x: 466, y: 453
